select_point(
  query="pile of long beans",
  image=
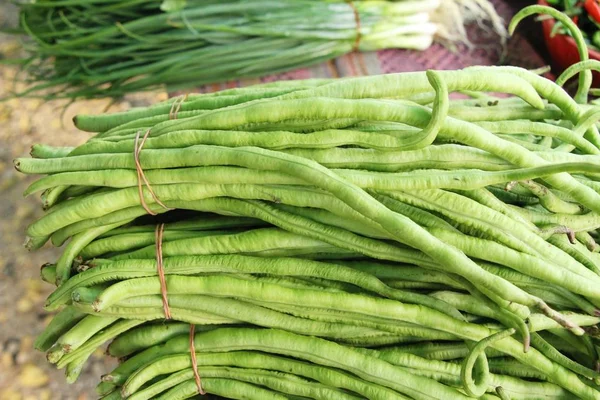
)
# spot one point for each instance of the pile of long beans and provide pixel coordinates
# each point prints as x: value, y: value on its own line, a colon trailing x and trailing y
x: 361, y: 238
x: 98, y: 48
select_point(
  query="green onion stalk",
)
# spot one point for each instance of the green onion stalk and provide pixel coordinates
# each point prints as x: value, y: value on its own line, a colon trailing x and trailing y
x: 95, y: 49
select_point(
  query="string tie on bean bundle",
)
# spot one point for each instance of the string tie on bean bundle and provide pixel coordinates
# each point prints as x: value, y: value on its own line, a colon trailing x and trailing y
x: 176, y: 106
x: 158, y: 235
x: 194, y: 360
x: 141, y: 177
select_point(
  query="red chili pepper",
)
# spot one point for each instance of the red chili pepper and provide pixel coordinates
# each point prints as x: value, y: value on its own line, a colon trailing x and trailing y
x: 593, y: 9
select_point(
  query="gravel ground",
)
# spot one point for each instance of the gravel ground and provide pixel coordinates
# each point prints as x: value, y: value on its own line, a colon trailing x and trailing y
x: 24, y: 373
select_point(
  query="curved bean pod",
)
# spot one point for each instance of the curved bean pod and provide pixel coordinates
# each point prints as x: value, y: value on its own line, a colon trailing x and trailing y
x: 61, y: 323
x: 148, y: 335
x: 442, y: 351
x: 101, y: 123
x: 133, y: 241
x: 246, y: 359
x: 418, y: 179
x: 437, y: 156
x: 318, y: 351
x: 267, y: 213
x: 585, y: 80
x: 545, y: 271
x: 250, y: 339
x: 45, y: 151
x: 77, y: 336
x: 277, y: 140
x: 519, y: 239
x: 249, y: 312
x: 541, y: 129
x: 270, y: 242
x: 279, y: 382
x: 75, y: 246
x: 227, y: 388
x: 556, y: 95
x: 450, y: 373
x: 82, y: 353
x: 477, y: 356
x: 553, y: 354
x: 201, y: 222
x: 59, y: 237
x: 247, y: 264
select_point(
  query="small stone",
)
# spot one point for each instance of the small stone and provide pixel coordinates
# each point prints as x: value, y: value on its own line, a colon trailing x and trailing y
x: 26, y: 343
x: 45, y: 394
x: 12, y: 103
x: 6, y: 360
x: 35, y: 285
x: 11, y: 346
x: 22, y: 358
x: 25, y: 210
x: 10, y: 394
x: 32, y: 376
x: 34, y: 104
x: 99, y: 353
x: 24, y: 305
x: 8, y: 180
x: 34, y: 290
x: 24, y: 124
x: 9, y: 48
x: 25, y: 350
x: 5, y: 114
x: 9, y: 268
x: 82, y: 396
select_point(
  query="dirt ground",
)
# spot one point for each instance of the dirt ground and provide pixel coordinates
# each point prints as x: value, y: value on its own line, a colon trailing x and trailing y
x: 24, y: 373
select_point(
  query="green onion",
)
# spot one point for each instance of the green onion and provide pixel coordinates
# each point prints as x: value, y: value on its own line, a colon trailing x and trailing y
x: 93, y: 48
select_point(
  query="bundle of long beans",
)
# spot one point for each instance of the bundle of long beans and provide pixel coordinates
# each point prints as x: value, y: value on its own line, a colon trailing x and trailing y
x: 92, y: 48
x: 363, y: 238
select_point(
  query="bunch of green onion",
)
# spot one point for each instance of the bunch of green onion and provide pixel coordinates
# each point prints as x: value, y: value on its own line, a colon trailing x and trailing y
x: 92, y: 48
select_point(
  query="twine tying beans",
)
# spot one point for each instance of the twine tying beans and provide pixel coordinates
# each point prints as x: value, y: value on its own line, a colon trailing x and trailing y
x: 176, y: 106
x: 141, y: 177
x: 158, y: 235
x: 194, y: 361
